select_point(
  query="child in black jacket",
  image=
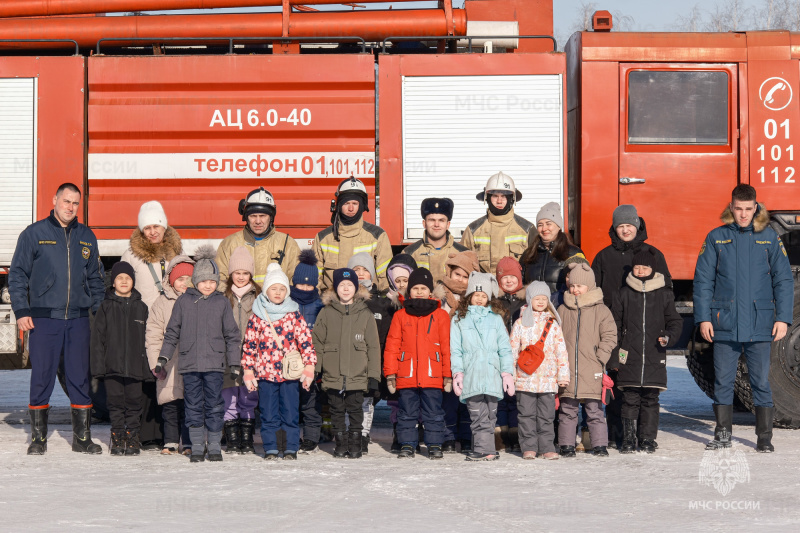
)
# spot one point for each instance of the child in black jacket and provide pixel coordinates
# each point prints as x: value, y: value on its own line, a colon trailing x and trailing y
x: 118, y: 356
x: 647, y: 321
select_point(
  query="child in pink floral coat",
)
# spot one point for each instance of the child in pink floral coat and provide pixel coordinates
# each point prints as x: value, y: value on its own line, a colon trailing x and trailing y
x: 262, y: 362
x: 536, y: 392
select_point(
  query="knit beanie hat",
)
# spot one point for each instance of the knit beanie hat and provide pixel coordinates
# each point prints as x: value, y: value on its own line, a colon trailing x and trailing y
x: 122, y: 267
x: 468, y: 260
x: 306, y: 272
x: 241, y: 260
x: 344, y: 274
x: 625, y: 214
x: 275, y: 275
x: 508, y: 266
x: 645, y: 258
x: 575, y: 259
x: 482, y: 282
x: 363, y: 259
x: 582, y: 274
x: 180, y: 270
x: 537, y: 288
x: 205, y: 268
x: 151, y: 213
x: 551, y: 211
x: 421, y: 276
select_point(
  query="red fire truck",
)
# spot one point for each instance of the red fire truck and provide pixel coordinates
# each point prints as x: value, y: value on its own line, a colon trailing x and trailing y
x: 196, y: 110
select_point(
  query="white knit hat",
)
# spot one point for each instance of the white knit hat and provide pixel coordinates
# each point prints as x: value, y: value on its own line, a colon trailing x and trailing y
x: 151, y: 213
x: 275, y: 275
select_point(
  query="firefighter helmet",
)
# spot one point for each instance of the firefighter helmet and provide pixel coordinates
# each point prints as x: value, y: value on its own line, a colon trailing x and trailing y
x: 350, y: 189
x: 257, y: 201
x: 500, y: 183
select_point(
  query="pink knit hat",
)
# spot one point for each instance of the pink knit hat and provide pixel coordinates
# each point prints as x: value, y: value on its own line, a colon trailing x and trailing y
x: 241, y: 260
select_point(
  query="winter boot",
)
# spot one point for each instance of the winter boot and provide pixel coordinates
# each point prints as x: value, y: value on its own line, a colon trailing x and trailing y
x: 449, y: 446
x: 38, y: 430
x: 420, y: 436
x: 308, y: 446
x: 435, y: 452
x: 246, y: 428
x: 82, y: 431
x: 406, y: 451
x: 132, y: 444
x: 567, y: 451
x: 600, y: 451
x: 466, y: 447
x: 477, y: 456
x: 722, y: 433
x: 342, y: 444
x: 365, y: 444
x: 117, y: 446
x: 355, y: 445
x: 280, y: 438
x: 232, y: 439
x: 628, y: 436
x: 647, y: 445
x: 395, y: 445
x: 500, y: 438
x: 198, y: 444
x: 513, y: 441
x: 764, y: 419
x: 214, y: 446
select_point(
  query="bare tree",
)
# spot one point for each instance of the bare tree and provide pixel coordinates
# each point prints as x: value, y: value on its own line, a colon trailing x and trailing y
x: 583, y: 17
x: 728, y: 15
x: 692, y: 21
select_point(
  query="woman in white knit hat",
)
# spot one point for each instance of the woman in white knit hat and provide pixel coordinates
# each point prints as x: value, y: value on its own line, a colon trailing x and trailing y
x: 153, y: 244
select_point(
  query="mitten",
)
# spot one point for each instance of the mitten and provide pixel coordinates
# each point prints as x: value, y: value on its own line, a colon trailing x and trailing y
x: 236, y: 371
x: 391, y: 383
x: 508, y: 383
x: 161, y: 362
x: 308, y: 377
x: 373, y: 384
x: 250, y: 381
x: 448, y: 384
x: 458, y: 383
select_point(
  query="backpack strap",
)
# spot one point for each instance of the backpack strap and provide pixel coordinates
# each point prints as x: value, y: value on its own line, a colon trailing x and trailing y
x: 156, y: 279
x: 545, y: 332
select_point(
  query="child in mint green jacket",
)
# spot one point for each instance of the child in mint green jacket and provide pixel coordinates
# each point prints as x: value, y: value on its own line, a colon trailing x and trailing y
x: 481, y: 360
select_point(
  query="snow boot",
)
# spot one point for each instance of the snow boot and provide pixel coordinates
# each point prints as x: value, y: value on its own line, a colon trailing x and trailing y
x: 764, y: 419
x: 500, y: 438
x: 355, y: 445
x: 466, y: 447
x: 449, y: 446
x: 117, y: 446
x: 132, y: 444
x: 38, y: 430
x: 600, y: 451
x: 513, y: 441
x: 435, y: 452
x: 365, y: 444
x: 214, y: 446
x: 198, y: 444
x: 82, y: 431
x: 477, y: 456
x: 290, y: 456
x: 406, y: 451
x: 567, y: 451
x: 308, y: 446
x: 280, y: 438
x: 722, y: 433
x: 647, y: 445
x: 246, y: 428
x: 232, y: 439
x: 628, y: 436
x: 395, y: 445
x: 342, y: 445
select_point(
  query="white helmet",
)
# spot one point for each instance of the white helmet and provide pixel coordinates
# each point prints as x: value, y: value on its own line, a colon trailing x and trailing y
x: 500, y: 183
x: 351, y: 187
x: 257, y: 201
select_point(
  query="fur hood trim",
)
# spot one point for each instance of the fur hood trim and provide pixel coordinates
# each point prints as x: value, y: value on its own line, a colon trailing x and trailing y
x: 330, y: 296
x: 760, y: 221
x: 592, y: 297
x: 649, y: 286
x: 394, y: 297
x: 148, y: 252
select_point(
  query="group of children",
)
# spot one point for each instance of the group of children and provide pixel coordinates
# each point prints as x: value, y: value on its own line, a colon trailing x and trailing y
x: 455, y: 360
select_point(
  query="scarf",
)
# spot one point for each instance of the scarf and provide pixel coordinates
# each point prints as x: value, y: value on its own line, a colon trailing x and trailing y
x: 304, y: 297
x: 366, y: 283
x: 264, y: 308
x: 420, y: 306
x: 456, y: 287
x: 241, y: 291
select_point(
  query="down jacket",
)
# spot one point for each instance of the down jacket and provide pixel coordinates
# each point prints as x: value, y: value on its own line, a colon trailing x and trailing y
x: 117, y: 347
x: 171, y: 388
x: 204, y: 331
x: 547, y: 268
x: 555, y: 366
x: 590, y: 335
x: 347, y: 343
x: 242, y: 311
x: 644, y: 311
x: 418, y: 348
x: 143, y: 253
x: 481, y: 350
x: 743, y: 282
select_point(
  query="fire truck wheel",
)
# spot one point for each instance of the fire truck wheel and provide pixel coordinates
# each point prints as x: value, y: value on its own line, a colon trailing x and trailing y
x: 97, y: 393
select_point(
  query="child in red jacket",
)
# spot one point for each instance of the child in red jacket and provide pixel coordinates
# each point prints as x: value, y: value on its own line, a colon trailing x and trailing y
x: 417, y: 365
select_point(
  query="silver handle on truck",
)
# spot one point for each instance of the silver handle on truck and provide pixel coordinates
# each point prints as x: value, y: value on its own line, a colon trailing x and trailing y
x: 628, y: 181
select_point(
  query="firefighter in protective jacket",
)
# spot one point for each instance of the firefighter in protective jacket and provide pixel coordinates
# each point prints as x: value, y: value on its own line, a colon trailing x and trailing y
x: 349, y: 234
x: 500, y: 233
x: 265, y: 243
x: 436, y: 244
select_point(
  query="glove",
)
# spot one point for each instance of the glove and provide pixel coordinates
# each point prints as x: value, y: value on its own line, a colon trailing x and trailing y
x: 250, y: 381
x: 161, y: 376
x: 373, y: 384
x: 458, y: 383
x: 448, y: 384
x: 308, y: 377
x: 159, y: 371
x: 236, y: 371
x: 508, y: 383
x: 391, y: 383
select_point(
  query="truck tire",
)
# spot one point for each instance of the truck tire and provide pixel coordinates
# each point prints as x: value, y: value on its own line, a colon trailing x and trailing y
x: 97, y: 393
x: 784, y: 373
x: 700, y: 363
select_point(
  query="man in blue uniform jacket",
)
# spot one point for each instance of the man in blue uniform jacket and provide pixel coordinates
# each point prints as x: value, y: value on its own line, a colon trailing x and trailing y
x: 55, y: 280
x: 743, y: 301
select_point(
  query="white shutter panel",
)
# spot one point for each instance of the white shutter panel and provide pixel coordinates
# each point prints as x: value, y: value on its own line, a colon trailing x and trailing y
x: 17, y: 160
x: 459, y: 130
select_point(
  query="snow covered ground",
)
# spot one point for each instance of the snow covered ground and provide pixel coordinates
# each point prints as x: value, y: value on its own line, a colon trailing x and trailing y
x: 741, y: 491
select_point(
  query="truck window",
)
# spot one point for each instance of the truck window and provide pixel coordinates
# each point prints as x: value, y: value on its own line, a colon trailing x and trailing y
x: 678, y: 107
